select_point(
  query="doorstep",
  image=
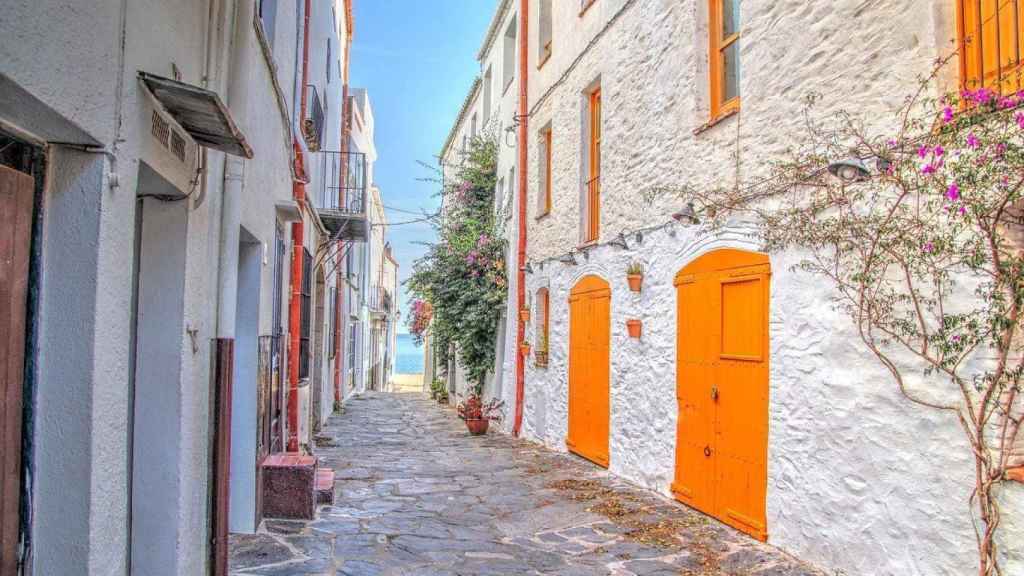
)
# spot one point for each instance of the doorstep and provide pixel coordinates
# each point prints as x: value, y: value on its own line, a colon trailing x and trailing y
x: 289, y: 486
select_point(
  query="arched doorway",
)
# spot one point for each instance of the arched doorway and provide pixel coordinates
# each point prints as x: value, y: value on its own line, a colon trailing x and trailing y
x: 589, y: 368
x: 722, y: 387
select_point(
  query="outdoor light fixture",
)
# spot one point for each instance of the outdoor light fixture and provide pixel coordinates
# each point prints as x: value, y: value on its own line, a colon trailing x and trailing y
x: 528, y: 268
x: 688, y: 215
x: 639, y: 237
x: 620, y: 241
x: 849, y: 170
x: 568, y: 259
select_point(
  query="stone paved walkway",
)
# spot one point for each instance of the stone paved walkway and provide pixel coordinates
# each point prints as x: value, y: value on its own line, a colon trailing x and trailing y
x: 416, y: 495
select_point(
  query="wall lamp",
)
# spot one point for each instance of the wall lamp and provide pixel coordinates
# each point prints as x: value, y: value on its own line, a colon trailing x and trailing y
x: 620, y: 241
x: 528, y: 268
x: 849, y: 170
x: 568, y: 259
x: 687, y: 215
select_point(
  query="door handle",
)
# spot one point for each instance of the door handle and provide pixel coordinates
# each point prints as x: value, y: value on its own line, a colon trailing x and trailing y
x: 714, y: 393
x: 707, y: 451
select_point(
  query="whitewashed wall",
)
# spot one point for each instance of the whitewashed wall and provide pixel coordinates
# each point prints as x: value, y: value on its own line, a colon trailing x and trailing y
x: 859, y: 480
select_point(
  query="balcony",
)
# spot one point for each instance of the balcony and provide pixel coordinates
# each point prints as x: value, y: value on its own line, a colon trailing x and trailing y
x: 379, y: 301
x: 313, y: 124
x: 342, y: 197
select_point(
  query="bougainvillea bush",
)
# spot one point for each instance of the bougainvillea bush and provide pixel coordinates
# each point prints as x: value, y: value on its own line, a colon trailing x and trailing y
x: 916, y: 226
x: 462, y: 277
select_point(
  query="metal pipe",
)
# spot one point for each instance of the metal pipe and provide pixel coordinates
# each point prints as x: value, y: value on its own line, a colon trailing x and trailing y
x: 524, y: 127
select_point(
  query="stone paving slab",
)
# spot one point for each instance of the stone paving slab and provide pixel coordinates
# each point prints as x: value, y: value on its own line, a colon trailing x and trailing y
x: 416, y: 495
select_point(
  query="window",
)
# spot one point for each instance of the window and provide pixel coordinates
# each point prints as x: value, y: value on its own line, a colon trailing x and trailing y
x: 487, y: 95
x: 332, y: 311
x: 544, y: 198
x: 593, y: 188
x: 268, y: 15
x: 543, y: 316
x: 508, y: 67
x: 546, y: 31
x: 991, y: 44
x: 724, y: 28
x: 472, y: 127
x: 306, y: 314
x: 353, y: 344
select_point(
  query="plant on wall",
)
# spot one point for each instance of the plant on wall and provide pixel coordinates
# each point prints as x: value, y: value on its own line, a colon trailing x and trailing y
x: 462, y: 277
x: 917, y: 229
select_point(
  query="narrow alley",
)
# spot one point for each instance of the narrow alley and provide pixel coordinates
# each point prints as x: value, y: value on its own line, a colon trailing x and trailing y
x: 416, y: 495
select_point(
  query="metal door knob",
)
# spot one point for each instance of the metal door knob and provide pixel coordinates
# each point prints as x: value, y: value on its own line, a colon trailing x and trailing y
x: 707, y: 451
x: 714, y: 393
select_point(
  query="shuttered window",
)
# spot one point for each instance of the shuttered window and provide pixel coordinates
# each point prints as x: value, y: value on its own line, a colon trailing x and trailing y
x: 593, y: 216
x: 544, y: 203
x: 543, y: 316
x: 991, y: 44
x: 724, y: 59
x: 306, y: 314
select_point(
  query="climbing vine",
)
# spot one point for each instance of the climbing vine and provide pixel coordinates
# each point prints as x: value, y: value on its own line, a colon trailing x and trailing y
x: 462, y: 278
x: 917, y: 229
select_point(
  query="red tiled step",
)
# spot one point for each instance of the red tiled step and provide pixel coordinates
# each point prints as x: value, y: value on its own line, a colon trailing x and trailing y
x: 324, y: 486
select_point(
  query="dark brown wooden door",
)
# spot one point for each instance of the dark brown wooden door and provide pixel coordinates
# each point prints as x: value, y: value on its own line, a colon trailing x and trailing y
x: 16, y: 191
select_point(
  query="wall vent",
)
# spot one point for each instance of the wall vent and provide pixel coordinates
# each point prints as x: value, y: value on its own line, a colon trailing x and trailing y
x: 178, y: 146
x: 161, y: 129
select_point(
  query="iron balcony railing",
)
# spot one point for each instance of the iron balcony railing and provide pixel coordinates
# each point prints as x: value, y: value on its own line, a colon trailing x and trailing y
x: 313, y: 124
x: 344, y: 182
x: 379, y: 299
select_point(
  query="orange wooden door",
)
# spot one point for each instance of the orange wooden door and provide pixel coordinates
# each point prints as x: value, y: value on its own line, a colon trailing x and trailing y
x: 722, y: 388
x: 589, y: 369
x: 16, y: 190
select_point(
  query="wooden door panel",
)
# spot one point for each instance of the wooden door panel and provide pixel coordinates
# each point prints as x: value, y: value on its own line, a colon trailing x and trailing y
x: 16, y: 190
x: 589, y: 369
x: 722, y: 388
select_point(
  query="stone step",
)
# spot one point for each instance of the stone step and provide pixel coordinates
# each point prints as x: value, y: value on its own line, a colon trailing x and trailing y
x: 289, y: 486
x: 324, y: 486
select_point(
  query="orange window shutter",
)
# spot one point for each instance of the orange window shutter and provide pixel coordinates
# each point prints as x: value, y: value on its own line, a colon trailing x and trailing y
x: 547, y: 170
x: 991, y: 44
x: 594, y: 183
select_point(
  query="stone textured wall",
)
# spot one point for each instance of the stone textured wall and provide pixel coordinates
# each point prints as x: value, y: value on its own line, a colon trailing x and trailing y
x: 859, y: 479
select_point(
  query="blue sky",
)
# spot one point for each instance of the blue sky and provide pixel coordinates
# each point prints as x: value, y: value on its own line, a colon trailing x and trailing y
x: 417, y: 59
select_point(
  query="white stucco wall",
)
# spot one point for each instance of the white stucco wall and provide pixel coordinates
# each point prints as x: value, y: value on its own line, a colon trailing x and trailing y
x: 859, y: 479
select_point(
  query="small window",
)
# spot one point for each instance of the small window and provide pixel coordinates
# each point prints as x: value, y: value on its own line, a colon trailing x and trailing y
x: 543, y: 317
x: 268, y: 15
x: 328, y: 60
x: 546, y: 33
x: 592, y: 221
x: 724, y: 28
x: 487, y: 95
x: 544, y: 198
x: 472, y: 127
x: 508, y: 68
x: 991, y: 44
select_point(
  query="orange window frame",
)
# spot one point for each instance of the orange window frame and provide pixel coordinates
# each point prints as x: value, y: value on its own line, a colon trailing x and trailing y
x: 991, y: 44
x: 593, y: 228
x: 546, y: 205
x: 543, y: 317
x: 716, y: 61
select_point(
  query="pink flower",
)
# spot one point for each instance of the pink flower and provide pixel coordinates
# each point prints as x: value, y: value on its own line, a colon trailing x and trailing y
x: 892, y: 143
x: 953, y: 192
x: 947, y: 114
x: 939, y: 150
x: 928, y: 247
x: 1007, y: 102
x: 1000, y: 149
x: 972, y: 141
x: 923, y: 151
x: 962, y: 210
x: 1019, y: 117
x: 928, y: 169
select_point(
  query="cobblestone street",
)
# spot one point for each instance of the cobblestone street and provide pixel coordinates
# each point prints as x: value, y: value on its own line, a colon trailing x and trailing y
x: 415, y: 494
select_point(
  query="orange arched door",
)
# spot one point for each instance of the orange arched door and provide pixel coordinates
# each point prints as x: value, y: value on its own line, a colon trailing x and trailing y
x: 589, y: 367
x: 722, y: 388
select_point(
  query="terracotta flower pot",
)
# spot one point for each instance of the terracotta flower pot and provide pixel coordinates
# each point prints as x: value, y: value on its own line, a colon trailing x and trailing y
x: 635, y: 328
x: 524, y: 315
x: 478, y: 427
x: 525, y: 348
x: 635, y: 281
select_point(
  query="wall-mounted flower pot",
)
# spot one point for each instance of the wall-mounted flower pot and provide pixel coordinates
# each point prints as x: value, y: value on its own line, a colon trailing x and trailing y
x: 635, y: 328
x: 635, y: 281
x: 524, y: 314
x: 525, y: 349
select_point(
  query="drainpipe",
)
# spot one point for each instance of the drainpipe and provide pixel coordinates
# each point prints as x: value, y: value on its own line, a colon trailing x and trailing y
x: 298, y: 237
x: 339, y: 303
x: 524, y: 127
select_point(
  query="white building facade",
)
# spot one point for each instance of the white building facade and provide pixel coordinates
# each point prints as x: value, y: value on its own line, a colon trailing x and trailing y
x: 621, y: 106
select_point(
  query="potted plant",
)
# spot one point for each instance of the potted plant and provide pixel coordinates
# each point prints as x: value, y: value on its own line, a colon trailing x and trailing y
x: 524, y: 314
x: 635, y: 328
x: 635, y: 276
x: 438, y: 391
x: 478, y: 414
x: 525, y: 348
x: 541, y: 357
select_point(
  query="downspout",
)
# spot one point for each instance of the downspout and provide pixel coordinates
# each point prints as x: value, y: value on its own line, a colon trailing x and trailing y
x: 227, y: 292
x: 524, y: 127
x: 298, y: 237
x: 339, y: 303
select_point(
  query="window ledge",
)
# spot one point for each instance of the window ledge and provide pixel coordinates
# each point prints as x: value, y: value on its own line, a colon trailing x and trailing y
x: 715, y: 121
x: 586, y: 7
x: 587, y: 244
x: 542, y: 216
